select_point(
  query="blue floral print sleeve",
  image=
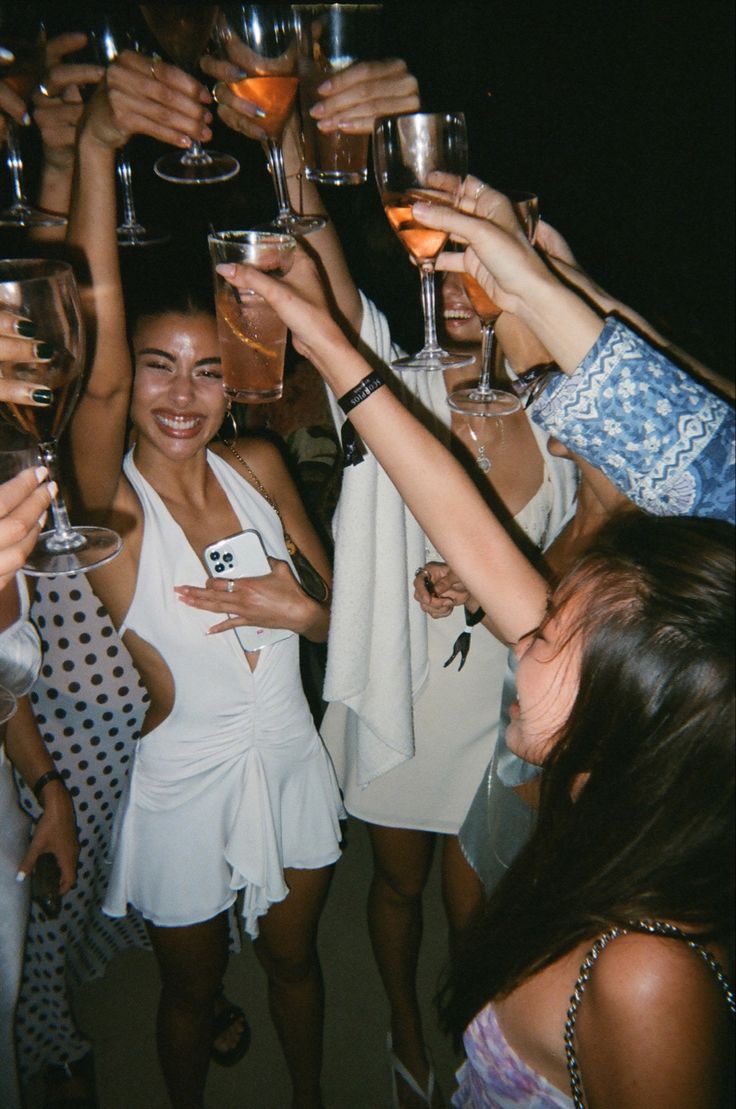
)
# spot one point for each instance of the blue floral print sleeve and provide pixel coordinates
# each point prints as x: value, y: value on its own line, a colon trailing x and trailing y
x: 665, y: 440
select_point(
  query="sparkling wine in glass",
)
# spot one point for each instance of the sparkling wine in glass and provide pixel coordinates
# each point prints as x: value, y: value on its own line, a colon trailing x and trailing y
x: 262, y: 40
x: 22, y: 49
x: 46, y: 293
x: 110, y: 33
x: 485, y: 398
x: 407, y: 150
x: 183, y: 31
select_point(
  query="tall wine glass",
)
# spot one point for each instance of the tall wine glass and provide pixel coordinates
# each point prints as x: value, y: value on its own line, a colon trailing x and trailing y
x: 183, y: 30
x: 484, y: 398
x: 109, y: 35
x: 407, y: 150
x: 46, y: 293
x: 22, y: 46
x: 262, y: 41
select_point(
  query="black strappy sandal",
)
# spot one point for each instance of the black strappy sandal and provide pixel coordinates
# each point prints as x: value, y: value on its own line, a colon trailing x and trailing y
x: 228, y: 1016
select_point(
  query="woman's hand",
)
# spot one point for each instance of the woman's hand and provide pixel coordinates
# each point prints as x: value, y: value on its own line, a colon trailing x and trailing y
x: 55, y: 833
x: 438, y: 590
x: 299, y: 300
x: 274, y: 600
x: 58, y: 103
x: 145, y: 96
x: 354, y: 98
x: 24, y: 501
x: 14, y: 106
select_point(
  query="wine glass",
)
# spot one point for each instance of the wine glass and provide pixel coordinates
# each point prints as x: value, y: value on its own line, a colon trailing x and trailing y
x: 183, y: 30
x: 22, y: 47
x: 262, y: 41
x: 107, y: 37
x: 485, y: 399
x: 17, y: 453
x: 407, y: 150
x: 46, y: 292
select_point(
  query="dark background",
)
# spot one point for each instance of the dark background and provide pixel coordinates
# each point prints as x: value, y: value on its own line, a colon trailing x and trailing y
x: 619, y: 116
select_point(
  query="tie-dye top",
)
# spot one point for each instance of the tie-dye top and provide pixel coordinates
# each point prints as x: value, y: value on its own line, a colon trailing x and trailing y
x: 494, y: 1077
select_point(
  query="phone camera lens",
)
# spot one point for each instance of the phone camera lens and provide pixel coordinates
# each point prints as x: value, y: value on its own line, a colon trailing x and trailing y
x: 227, y: 557
x: 214, y: 555
x: 219, y: 567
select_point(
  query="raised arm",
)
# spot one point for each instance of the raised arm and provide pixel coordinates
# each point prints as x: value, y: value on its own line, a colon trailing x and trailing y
x: 353, y: 101
x: 436, y: 489
x: 138, y: 95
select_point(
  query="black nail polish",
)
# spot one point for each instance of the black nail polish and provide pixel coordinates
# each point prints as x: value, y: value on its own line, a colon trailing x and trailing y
x: 44, y: 350
x: 42, y: 396
x: 26, y: 329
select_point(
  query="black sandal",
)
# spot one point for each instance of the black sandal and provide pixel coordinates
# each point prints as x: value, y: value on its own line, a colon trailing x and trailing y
x: 225, y: 1019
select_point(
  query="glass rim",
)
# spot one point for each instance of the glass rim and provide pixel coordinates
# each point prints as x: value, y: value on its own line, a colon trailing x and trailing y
x: 339, y: 7
x: 37, y: 268
x: 381, y: 120
x: 275, y: 238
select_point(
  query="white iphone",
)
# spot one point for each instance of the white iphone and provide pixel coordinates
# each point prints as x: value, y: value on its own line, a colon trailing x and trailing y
x: 244, y: 556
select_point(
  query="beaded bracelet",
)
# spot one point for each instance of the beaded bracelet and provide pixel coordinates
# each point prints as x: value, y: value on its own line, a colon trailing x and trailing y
x: 49, y: 776
x: 360, y: 392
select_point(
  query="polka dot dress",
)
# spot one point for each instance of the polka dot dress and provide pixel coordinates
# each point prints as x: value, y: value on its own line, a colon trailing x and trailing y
x: 89, y: 704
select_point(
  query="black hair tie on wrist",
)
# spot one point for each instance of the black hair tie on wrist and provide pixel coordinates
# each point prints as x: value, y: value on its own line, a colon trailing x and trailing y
x: 49, y: 776
x: 461, y: 646
x: 352, y: 448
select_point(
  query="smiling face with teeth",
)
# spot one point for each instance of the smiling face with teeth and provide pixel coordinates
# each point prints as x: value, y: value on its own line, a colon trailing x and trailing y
x: 459, y: 321
x: 178, y: 400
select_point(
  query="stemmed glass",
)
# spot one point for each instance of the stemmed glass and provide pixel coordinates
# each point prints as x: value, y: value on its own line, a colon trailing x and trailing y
x: 46, y: 292
x: 183, y: 30
x: 484, y: 399
x: 262, y: 41
x: 108, y: 36
x: 407, y: 150
x: 22, y: 47
x: 16, y: 453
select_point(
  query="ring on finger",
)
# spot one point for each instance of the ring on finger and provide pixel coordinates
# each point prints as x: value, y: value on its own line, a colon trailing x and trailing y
x: 230, y: 586
x: 152, y: 69
x: 215, y: 97
x: 479, y: 190
x: 41, y: 88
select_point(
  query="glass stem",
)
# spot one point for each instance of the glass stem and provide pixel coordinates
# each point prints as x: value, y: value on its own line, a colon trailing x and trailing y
x: 487, y: 355
x: 125, y: 175
x: 428, y: 308
x: 15, y: 163
x: 63, y: 538
x: 195, y: 155
x: 278, y: 173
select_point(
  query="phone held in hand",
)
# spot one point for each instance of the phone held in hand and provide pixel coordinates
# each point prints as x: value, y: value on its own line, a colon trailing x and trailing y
x: 45, y: 881
x: 244, y: 556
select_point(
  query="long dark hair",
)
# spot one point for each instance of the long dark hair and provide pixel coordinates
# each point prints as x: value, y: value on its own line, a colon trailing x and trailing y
x: 650, y: 736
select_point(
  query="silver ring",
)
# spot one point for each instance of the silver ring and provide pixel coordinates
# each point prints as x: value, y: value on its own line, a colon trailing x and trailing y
x: 478, y: 191
x: 230, y: 585
x: 152, y: 68
x: 214, y: 93
x: 42, y: 89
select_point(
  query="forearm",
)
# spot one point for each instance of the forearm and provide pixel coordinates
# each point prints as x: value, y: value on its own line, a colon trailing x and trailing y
x: 54, y: 195
x: 25, y: 747
x: 442, y: 499
x: 561, y: 320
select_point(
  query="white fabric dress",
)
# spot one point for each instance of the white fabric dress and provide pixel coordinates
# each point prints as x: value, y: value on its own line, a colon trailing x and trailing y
x: 410, y: 740
x: 235, y: 785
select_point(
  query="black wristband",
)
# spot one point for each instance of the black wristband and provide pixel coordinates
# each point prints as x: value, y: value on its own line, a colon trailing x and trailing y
x: 360, y: 392
x: 473, y: 618
x: 49, y: 776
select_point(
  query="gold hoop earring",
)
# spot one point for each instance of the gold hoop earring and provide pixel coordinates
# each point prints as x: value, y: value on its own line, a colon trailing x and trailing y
x: 228, y: 436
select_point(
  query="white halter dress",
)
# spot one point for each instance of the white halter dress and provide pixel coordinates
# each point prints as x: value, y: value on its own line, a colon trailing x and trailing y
x: 235, y: 785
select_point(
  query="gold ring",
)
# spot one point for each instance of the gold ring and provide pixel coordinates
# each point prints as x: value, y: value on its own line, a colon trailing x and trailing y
x: 214, y: 93
x: 152, y: 68
x: 230, y: 585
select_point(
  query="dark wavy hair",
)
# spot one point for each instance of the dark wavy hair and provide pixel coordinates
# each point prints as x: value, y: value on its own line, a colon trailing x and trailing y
x: 651, y: 737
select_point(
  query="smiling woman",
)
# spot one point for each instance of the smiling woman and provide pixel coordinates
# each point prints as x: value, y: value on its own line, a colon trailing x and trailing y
x: 232, y: 794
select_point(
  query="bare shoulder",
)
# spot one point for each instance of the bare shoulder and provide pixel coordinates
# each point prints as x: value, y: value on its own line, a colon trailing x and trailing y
x: 263, y: 457
x: 652, y: 1027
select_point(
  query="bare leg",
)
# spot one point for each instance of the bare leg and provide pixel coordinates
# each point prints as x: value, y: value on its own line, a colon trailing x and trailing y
x: 462, y: 889
x: 401, y: 863
x: 192, y: 961
x: 287, y: 951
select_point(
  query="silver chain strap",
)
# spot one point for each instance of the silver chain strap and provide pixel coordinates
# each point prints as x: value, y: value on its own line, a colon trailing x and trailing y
x: 655, y: 928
